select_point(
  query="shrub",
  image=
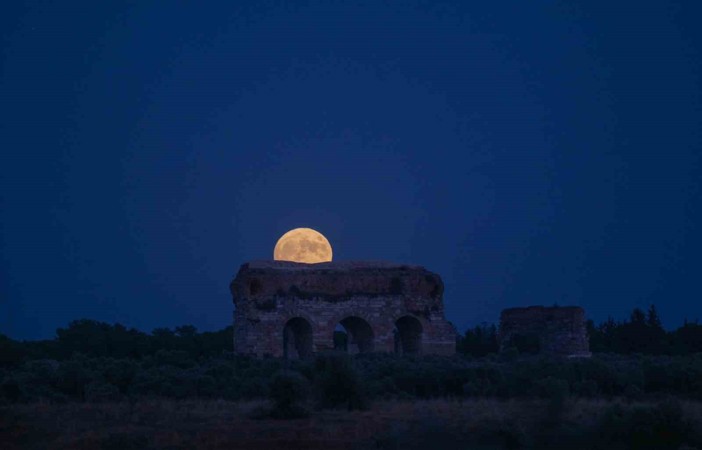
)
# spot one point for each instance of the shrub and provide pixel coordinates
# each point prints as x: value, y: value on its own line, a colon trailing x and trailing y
x: 98, y: 391
x: 552, y: 388
x: 586, y: 388
x: 663, y: 423
x: 509, y: 354
x: 661, y: 427
x: 339, y: 382
x: 10, y: 352
x: 289, y: 392
x: 177, y: 358
x: 10, y: 390
x: 73, y: 376
x: 124, y: 441
x: 206, y: 386
x: 555, y: 391
x: 632, y: 392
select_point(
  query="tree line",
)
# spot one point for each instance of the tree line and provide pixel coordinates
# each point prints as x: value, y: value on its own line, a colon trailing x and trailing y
x: 634, y: 360
x: 94, y: 339
x: 641, y: 333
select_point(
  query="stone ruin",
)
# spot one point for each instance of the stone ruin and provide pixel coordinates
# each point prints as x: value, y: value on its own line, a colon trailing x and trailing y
x: 292, y: 309
x: 557, y: 330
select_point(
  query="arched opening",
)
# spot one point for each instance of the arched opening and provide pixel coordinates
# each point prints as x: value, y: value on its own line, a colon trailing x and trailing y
x: 353, y: 335
x: 341, y: 338
x: 297, y: 339
x: 408, y: 335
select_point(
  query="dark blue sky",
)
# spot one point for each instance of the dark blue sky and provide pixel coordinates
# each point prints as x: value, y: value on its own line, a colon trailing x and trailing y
x: 529, y: 152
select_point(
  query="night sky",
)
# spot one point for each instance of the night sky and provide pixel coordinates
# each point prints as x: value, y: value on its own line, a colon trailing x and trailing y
x: 528, y: 152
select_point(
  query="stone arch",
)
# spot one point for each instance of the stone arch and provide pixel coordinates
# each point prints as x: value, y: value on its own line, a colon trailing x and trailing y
x: 360, y: 336
x: 341, y: 314
x: 288, y: 313
x: 297, y: 338
x: 408, y: 335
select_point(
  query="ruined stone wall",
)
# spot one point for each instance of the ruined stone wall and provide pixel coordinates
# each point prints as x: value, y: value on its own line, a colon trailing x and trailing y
x: 555, y: 330
x: 385, y: 307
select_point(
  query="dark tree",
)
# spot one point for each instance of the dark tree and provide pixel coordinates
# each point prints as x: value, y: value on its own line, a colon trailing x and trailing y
x: 687, y: 339
x: 478, y: 341
x: 10, y: 351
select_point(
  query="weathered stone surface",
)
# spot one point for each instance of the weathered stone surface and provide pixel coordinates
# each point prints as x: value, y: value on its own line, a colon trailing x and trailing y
x: 291, y: 309
x: 558, y: 330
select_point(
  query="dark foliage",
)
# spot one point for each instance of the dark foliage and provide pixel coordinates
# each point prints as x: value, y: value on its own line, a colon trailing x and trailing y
x: 660, y: 427
x: 339, y: 382
x: 289, y: 391
x: 478, y: 341
x: 93, y: 361
x: 635, y: 361
x: 99, y: 339
x: 643, y: 333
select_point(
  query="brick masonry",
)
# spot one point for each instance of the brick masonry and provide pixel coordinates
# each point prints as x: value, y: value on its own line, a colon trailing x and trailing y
x: 559, y: 330
x: 287, y: 309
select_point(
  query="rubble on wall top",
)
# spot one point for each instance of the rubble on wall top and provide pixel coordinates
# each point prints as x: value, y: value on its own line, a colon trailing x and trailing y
x: 333, y: 265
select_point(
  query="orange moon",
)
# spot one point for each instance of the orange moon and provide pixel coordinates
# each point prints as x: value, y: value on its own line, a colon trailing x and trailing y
x: 303, y: 245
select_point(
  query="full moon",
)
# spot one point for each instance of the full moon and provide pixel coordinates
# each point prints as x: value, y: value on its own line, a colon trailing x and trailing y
x: 303, y: 245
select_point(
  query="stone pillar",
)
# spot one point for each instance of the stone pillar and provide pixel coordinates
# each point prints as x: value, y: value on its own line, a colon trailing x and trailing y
x: 558, y: 330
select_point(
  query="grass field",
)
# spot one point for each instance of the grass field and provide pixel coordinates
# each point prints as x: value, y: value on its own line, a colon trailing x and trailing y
x: 437, y: 424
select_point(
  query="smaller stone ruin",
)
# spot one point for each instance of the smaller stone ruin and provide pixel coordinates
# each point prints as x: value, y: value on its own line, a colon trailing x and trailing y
x: 557, y: 330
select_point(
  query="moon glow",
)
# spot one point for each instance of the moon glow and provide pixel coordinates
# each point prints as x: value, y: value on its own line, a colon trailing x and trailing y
x: 303, y: 245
